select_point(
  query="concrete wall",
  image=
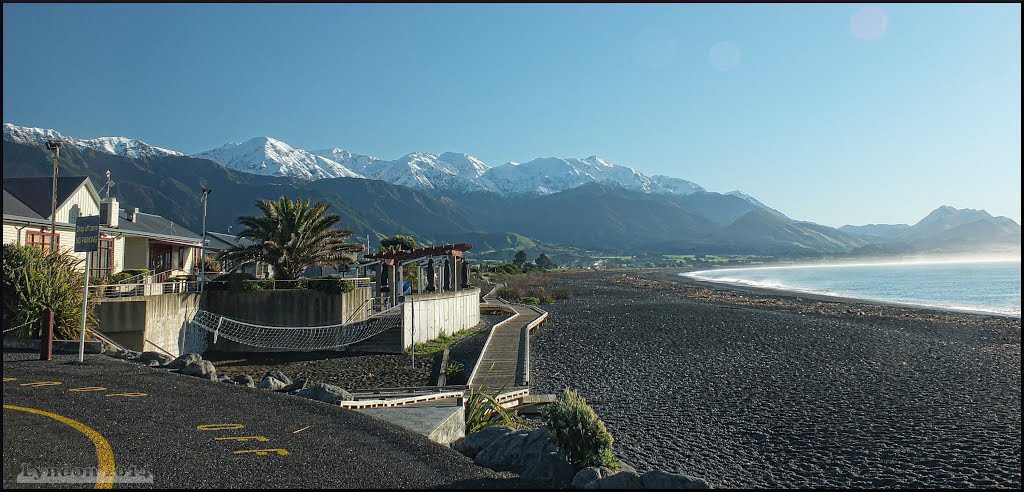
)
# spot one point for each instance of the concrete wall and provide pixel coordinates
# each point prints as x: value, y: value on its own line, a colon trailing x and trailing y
x: 286, y: 308
x: 439, y: 314
x: 159, y: 323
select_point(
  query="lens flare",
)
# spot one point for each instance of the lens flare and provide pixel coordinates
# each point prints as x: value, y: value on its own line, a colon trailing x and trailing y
x: 869, y: 23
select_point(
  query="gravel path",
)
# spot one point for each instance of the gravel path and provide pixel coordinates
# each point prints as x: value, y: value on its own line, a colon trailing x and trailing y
x: 353, y: 370
x: 749, y: 396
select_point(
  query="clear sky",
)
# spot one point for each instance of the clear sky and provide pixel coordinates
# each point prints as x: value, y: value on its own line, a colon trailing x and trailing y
x: 838, y: 114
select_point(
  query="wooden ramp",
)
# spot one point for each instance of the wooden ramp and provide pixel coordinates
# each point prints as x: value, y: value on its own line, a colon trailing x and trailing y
x: 505, y: 361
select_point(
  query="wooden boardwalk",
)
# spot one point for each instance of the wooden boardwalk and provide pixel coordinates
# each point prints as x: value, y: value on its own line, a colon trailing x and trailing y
x: 504, y: 364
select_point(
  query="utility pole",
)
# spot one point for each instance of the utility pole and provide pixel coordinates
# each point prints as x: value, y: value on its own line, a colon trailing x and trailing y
x: 202, y: 254
x: 55, y: 145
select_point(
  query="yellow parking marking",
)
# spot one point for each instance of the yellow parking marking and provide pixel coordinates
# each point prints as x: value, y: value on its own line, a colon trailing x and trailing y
x: 217, y: 427
x: 40, y: 384
x: 264, y: 452
x: 104, y: 454
x: 7, y: 380
x: 129, y: 395
x: 89, y: 388
x: 242, y: 438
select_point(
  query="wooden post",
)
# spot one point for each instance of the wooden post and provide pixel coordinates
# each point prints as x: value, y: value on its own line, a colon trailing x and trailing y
x: 46, y: 341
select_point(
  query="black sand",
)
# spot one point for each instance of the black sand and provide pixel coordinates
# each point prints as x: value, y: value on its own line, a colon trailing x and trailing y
x: 745, y: 388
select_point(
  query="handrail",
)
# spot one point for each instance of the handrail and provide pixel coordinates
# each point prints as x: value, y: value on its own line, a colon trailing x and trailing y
x: 356, y: 310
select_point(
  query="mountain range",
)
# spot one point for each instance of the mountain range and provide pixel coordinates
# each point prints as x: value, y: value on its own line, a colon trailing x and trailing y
x: 587, y: 204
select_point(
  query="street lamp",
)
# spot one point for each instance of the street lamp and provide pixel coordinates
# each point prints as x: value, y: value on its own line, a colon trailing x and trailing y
x: 202, y: 254
x: 55, y: 146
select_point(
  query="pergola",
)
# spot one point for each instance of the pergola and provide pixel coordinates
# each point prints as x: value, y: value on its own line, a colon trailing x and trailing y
x: 441, y: 275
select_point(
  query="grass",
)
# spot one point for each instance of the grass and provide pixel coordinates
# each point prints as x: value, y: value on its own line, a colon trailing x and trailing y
x: 431, y: 347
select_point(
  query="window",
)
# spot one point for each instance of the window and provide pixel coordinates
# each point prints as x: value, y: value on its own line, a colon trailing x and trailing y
x: 102, y: 260
x: 41, y: 239
x: 181, y: 258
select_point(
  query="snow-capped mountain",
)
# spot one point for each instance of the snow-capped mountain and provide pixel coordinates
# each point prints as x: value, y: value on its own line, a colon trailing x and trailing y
x: 445, y: 172
x: 123, y: 146
x: 362, y: 164
x: 553, y: 174
x: 675, y: 186
x: 272, y: 157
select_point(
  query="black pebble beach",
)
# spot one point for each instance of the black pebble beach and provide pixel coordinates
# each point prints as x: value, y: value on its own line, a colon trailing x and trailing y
x: 753, y: 390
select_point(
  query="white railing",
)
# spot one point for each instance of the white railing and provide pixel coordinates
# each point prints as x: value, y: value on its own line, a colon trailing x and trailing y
x: 109, y: 291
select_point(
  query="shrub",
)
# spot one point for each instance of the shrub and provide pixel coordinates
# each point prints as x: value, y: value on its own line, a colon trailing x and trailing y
x: 125, y: 275
x: 238, y: 282
x: 483, y: 410
x: 513, y: 294
x: 331, y: 284
x: 35, y: 281
x: 576, y: 428
x: 455, y: 373
x: 531, y: 300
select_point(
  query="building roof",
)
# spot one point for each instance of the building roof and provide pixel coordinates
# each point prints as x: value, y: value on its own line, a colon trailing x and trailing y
x: 220, y: 241
x: 149, y: 225
x: 37, y: 193
x: 13, y: 206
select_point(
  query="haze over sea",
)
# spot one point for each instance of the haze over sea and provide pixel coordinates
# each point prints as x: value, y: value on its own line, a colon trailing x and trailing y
x: 986, y: 286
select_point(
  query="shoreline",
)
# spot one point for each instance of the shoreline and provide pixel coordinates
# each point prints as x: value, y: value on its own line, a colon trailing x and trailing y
x: 684, y: 275
x: 676, y: 276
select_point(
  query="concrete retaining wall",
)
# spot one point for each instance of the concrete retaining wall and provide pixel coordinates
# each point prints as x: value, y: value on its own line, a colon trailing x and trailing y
x: 428, y: 316
x: 160, y: 323
x: 286, y: 308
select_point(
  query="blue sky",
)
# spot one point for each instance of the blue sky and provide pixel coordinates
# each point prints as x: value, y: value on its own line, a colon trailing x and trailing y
x: 815, y: 110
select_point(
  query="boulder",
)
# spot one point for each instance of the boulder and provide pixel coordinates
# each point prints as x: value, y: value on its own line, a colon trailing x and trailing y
x: 201, y: 369
x: 298, y: 384
x: 620, y: 480
x: 183, y: 361
x: 223, y: 379
x: 551, y: 466
x: 326, y: 393
x: 657, y: 479
x: 244, y: 380
x: 477, y: 441
x: 151, y: 363
x: 587, y: 475
x: 626, y: 467
x: 269, y: 383
x: 504, y: 453
x: 161, y: 359
x: 280, y: 376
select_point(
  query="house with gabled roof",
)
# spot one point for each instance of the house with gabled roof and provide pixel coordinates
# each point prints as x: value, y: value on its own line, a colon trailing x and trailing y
x: 129, y: 239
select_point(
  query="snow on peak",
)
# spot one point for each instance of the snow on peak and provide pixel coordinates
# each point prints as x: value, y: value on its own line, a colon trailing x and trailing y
x: 448, y: 171
x: 272, y: 157
x: 123, y: 146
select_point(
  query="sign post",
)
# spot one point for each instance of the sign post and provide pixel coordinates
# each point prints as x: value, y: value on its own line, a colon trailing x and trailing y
x: 87, y: 236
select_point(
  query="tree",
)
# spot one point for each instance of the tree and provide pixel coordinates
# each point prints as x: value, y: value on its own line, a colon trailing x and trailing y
x: 291, y: 236
x: 545, y: 263
x: 520, y: 258
x: 397, y: 242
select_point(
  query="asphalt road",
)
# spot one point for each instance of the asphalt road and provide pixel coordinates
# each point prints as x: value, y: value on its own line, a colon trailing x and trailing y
x: 183, y: 432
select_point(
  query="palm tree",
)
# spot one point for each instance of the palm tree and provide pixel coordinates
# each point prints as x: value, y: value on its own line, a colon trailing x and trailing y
x: 291, y: 236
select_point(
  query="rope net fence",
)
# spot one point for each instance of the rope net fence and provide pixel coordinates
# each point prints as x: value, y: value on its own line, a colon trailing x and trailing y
x: 298, y: 337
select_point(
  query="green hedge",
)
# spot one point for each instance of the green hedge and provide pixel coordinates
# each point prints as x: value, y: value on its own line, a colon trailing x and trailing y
x: 331, y: 284
x: 576, y: 428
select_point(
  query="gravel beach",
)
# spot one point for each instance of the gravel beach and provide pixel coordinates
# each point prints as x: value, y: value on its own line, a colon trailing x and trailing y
x: 755, y: 389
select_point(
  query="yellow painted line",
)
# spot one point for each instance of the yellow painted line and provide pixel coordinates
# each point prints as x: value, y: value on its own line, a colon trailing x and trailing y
x: 264, y: 452
x: 243, y: 438
x: 89, y: 388
x: 217, y: 427
x: 129, y: 395
x: 42, y: 383
x: 7, y: 380
x: 104, y: 454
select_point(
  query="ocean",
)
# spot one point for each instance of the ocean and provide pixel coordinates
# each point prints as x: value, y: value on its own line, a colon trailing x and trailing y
x: 975, y: 286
